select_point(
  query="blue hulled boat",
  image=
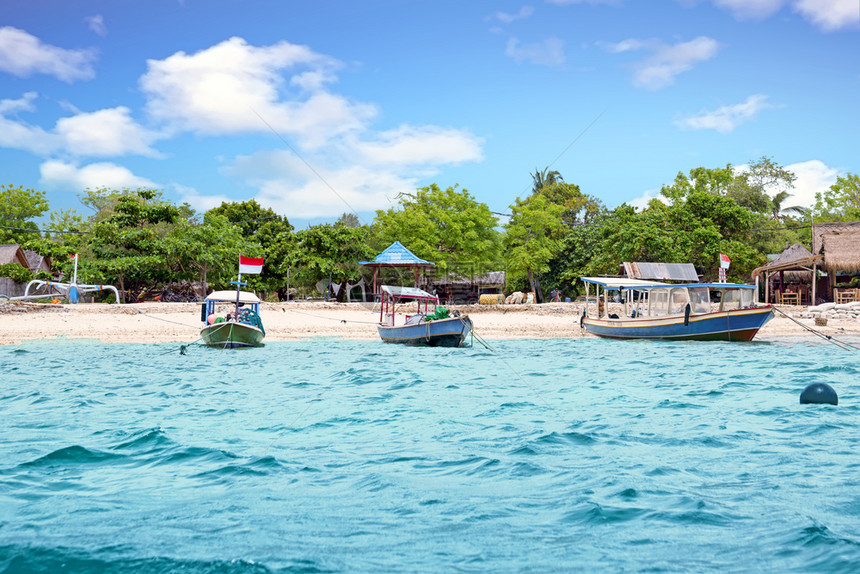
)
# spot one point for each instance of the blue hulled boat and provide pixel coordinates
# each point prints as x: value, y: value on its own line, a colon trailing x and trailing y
x: 654, y: 310
x: 433, y: 326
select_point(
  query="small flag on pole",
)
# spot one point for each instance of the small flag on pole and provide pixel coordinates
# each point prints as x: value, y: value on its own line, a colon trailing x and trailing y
x: 250, y: 265
x: 73, y: 256
x: 724, y: 261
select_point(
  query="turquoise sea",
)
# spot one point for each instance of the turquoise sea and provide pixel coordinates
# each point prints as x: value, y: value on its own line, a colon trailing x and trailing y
x: 343, y: 456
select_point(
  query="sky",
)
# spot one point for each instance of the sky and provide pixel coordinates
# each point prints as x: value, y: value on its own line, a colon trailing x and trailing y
x: 316, y: 108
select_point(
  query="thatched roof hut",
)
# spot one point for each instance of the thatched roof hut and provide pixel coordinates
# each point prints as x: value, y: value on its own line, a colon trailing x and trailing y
x: 842, y: 251
x: 821, y: 229
x: 796, y: 258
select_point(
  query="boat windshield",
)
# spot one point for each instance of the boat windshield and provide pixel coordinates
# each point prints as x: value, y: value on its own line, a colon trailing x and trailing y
x: 700, y: 299
x: 736, y: 299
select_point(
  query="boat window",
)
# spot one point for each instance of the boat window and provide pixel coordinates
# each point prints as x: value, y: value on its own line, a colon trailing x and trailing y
x: 701, y: 301
x: 679, y: 300
x: 747, y: 296
x: 731, y: 299
x: 658, y: 302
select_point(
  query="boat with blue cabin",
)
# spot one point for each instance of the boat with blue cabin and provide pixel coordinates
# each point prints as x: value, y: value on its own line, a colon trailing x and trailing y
x: 639, y: 309
x: 433, y: 326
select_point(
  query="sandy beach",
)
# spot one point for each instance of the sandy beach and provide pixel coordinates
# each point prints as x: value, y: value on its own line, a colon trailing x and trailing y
x: 180, y: 322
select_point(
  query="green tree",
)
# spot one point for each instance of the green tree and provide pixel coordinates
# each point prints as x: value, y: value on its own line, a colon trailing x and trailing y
x: 18, y: 206
x: 448, y: 227
x: 131, y: 247
x: 330, y: 251
x: 533, y: 237
x: 842, y: 201
x: 545, y: 178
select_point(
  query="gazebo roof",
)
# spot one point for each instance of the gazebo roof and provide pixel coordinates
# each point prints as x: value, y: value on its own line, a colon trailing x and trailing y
x: 396, y: 255
x: 796, y: 257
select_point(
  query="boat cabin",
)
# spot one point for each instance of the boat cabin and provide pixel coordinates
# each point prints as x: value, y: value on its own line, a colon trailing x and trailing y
x: 392, y: 295
x: 618, y: 298
x: 218, y: 300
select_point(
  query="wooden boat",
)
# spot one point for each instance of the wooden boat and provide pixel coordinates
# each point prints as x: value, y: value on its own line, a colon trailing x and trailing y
x: 434, y: 326
x: 654, y: 310
x: 241, y: 327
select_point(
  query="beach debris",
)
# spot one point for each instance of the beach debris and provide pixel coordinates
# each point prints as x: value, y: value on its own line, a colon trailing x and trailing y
x: 17, y: 307
x: 819, y: 393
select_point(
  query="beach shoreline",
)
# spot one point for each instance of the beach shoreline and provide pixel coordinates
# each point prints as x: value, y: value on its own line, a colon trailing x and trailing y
x: 154, y: 322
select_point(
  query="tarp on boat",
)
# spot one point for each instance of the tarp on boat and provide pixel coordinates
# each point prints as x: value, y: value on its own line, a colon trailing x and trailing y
x: 406, y: 292
x: 230, y: 297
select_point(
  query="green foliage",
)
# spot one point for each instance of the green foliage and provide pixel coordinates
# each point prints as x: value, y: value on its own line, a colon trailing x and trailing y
x: 18, y: 205
x: 841, y: 202
x: 447, y: 227
x: 251, y: 218
x: 533, y: 235
x: 16, y: 272
x: 329, y: 251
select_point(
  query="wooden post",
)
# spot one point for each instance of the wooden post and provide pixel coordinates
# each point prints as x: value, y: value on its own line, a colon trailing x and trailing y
x: 767, y: 287
x: 814, y: 281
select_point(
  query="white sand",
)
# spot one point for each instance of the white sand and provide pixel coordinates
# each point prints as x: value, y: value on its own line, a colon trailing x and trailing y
x: 168, y: 322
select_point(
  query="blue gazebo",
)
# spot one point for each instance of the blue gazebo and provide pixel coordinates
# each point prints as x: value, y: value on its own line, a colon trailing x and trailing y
x: 396, y: 255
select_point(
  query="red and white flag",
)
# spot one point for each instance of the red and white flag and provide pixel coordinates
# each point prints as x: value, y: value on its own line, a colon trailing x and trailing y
x: 250, y: 265
x: 724, y: 261
x: 73, y: 256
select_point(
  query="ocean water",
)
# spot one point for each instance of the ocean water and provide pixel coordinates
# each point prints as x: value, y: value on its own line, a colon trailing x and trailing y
x: 341, y: 456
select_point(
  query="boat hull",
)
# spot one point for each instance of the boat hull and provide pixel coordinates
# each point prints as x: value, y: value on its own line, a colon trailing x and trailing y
x: 449, y: 332
x: 231, y: 335
x: 734, y: 325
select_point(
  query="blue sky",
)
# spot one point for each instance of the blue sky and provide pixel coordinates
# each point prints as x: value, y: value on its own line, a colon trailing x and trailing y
x: 317, y: 108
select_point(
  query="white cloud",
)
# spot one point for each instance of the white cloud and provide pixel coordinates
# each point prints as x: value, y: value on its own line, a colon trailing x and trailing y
x: 813, y: 176
x: 69, y: 177
x: 549, y: 52
x: 22, y: 55
x: 659, y: 70
x: 108, y: 132
x: 201, y: 203
x: 506, y: 18
x: 726, y: 118
x: 233, y: 87
x: 103, y: 133
x: 97, y: 24
x: 16, y: 134
x: 629, y: 45
x: 751, y: 9
x: 830, y: 15
x: 643, y: 200
x: 22, y: 104
x: 409, y: 145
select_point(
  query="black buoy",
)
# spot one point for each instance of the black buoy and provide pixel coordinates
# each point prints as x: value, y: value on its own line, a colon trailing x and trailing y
x: 819, y: 393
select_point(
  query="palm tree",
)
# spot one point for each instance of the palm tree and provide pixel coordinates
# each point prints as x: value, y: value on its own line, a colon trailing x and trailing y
x: 545, y: 178
x: 778, y: 212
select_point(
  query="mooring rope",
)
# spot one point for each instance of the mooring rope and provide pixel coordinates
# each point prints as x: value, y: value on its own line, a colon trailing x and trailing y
x: 329, y: 318
x: 829, y: 338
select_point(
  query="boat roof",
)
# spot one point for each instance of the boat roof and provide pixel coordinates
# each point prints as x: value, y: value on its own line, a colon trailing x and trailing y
x: 621, y: 283
x: 407, y: 292
x: 230, y: 297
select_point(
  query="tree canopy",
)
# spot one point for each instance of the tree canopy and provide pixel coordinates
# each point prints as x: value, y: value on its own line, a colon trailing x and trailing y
x: 448, y: 227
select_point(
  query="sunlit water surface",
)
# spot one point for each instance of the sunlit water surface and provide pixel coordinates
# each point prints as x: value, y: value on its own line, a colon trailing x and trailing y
x: 343, y: 456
